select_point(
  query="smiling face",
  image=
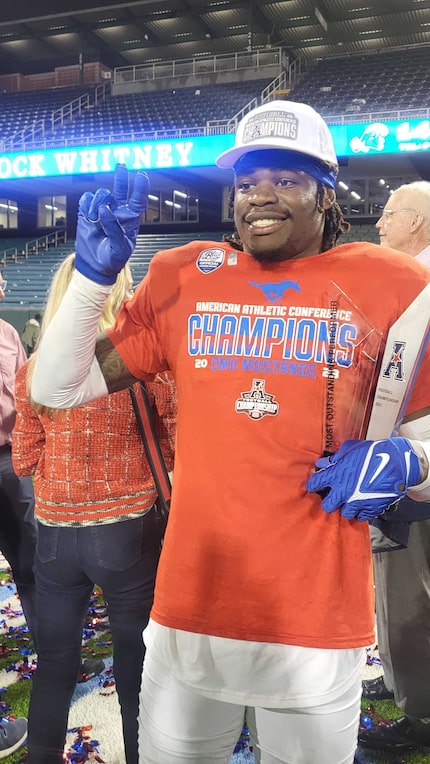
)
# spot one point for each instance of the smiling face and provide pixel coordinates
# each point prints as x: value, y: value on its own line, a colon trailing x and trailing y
x: 277, y: 212
x: 400, y: 220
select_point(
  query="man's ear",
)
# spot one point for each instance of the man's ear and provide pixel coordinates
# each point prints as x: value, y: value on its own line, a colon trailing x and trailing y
x: 417, y: 221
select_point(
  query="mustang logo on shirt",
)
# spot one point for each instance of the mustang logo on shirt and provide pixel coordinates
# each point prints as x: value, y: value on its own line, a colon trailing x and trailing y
x: 275, y: 292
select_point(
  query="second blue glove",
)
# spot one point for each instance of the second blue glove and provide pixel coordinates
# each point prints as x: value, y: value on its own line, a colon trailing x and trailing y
x: 366, y: 477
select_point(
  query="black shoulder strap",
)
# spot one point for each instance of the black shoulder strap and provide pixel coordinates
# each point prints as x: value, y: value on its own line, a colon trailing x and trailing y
x: 151, y: 444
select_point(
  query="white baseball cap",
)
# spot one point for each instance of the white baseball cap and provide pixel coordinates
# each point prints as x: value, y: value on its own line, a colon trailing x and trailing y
x: 281, y: 125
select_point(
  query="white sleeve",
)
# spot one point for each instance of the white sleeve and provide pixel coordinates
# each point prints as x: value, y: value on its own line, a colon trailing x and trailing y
x: 66, y: 372
x: 419, y: 430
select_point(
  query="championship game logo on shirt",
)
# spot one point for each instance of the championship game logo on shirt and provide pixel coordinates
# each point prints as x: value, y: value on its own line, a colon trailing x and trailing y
x: 271, y: 124
x: 210, y: 259
x: 394, y: 367
x: 256, y: 403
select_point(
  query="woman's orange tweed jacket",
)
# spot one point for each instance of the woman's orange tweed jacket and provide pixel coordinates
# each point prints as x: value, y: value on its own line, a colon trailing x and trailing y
x: 88, y: 463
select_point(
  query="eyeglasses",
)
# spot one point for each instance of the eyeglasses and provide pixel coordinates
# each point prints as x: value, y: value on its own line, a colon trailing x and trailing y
x: 3, y: 285
x: 388, y: 214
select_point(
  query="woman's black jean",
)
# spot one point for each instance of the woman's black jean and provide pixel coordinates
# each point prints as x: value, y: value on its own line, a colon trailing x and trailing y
x: 120, y: 557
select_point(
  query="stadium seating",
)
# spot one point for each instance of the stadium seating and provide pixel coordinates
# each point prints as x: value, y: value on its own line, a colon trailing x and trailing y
x: 360, y: 84
x: 350, y: 86
x: 28, y: 280
x: 121, y: 115
x: 364, y: 232
x: 157, y: 111
x: 19, y: 111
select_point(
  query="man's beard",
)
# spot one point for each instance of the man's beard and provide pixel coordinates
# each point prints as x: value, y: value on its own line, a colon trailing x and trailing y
x: 274, y: 255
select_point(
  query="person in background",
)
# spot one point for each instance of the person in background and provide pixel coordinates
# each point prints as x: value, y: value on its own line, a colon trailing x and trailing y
x: 17, y: 524
x: 275, y: 599
x: 94, y: 497
x: 30, y: 334
x: 402, y: 577
x: 18, y: 528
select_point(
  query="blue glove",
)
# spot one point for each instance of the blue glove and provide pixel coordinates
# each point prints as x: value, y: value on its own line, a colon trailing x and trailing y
x: 108, y: 224
x: 365, y: 477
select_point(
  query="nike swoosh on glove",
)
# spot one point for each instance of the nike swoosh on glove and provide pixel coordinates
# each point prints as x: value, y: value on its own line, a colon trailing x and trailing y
x: 108, y: 224
x: 365, y: 477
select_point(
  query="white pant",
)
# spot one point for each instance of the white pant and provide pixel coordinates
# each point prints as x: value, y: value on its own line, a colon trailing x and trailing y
x: 177, y: 725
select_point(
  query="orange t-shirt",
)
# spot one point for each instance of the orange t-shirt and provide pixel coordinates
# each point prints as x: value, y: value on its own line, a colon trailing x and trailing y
x: 249, y: 554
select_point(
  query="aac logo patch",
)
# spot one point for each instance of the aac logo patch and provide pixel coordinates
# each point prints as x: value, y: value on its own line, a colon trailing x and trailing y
x: 394, y: 367
x: 210, y: 259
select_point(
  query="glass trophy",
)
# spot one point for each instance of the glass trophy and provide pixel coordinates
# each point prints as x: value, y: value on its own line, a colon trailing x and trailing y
x: 350, y: 370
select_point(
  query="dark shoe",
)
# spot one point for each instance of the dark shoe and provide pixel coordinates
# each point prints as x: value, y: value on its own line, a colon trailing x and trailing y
x: 13, y: 735
x: 90, y: 667
x: 397, y: 735
x: 375, y: 689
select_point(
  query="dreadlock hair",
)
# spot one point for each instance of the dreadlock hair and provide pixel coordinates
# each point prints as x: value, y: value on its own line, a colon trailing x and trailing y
x: 334, y: 225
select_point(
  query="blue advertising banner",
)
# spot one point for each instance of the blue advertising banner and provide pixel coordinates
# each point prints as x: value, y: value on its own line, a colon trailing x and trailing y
x: 144, y: 155
x: 367, y: 138
x: 357, y: 139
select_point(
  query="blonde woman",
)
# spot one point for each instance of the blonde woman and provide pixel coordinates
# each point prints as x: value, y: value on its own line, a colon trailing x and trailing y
x: 93, y: 503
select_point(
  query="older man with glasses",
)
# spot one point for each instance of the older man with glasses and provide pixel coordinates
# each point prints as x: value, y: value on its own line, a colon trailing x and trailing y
x: 405, y: 221
x: 17, y: 525
x: 402, y: 576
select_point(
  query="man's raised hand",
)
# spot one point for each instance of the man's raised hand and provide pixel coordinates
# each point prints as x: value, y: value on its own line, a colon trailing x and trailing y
x: 364, y: 478
x: 108, y: 224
